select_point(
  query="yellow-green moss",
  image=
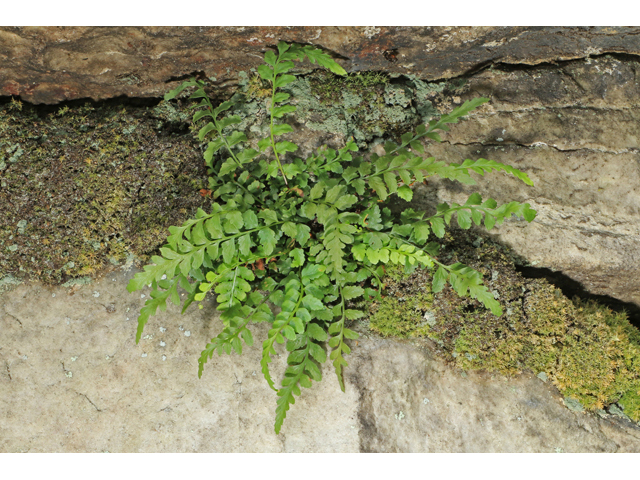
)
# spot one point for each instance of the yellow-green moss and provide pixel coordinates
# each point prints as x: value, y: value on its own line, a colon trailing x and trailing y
x: 401, y: 311
x: 589, y: 352
x: 257, y: 88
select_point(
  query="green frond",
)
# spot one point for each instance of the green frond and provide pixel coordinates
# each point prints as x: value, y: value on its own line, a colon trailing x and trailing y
x: 310, y: 236
x: 483, y: 165
x: 301, y: 370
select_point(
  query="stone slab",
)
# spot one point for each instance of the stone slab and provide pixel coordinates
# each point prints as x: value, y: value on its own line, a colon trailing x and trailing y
x: 72, y: 379
x: 53, y: 64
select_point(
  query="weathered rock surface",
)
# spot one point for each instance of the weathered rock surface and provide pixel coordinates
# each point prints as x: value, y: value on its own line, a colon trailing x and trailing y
x: 73, y: 380
x: 52, y: 64
x: 569, y: 120
x: 574, y: 129
x: 561, y: 109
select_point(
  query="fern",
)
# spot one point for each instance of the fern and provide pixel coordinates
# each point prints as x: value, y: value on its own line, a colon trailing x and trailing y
x: 301, y: 369
x: 310, y: 236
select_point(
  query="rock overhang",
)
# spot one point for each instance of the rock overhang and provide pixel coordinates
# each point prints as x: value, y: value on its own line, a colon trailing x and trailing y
x: 48, y: 65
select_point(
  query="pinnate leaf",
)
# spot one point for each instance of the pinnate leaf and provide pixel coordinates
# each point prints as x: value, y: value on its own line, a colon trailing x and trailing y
x: 267, y: 240
x: 282, y: 129
x: 204, y: 131
x: 342, y: 240
x: 351, y: 292
x: 405, y: 193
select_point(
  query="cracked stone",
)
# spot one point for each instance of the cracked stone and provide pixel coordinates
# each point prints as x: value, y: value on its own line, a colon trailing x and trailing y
x: 53, y: 64
x: 429, y: 393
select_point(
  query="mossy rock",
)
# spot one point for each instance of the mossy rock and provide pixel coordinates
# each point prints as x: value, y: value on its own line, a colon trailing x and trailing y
x: 93, y: 185
x: 590, y: 353
x: 103, y: 181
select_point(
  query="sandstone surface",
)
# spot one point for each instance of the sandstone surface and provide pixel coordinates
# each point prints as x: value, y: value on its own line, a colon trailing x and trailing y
x: 574, y: 129
x: 52, y: 64
x: 73, y: 380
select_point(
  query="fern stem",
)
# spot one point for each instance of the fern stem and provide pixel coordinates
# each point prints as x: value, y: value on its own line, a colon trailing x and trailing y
x: 224, y: 137
x: 245, y: 189
x: 233, y: 286
x: 273, y: 103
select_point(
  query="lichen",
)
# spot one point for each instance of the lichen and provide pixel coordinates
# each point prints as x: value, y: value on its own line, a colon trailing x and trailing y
x: 590, y: 353
x: 100, y: 183
x: 364, y: 105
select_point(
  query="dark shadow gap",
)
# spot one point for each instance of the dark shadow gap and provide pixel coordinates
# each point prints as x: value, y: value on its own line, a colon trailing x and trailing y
x: 121, y: 100
x: 198, y: 74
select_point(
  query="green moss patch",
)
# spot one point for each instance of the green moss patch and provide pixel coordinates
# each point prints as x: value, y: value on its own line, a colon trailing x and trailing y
x: 591, y: 354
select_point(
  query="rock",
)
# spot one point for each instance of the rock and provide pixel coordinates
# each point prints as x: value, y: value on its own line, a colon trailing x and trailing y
x: 573, y: 128
x: 53, y: 64
x: 73, y: 380
x: 564, y: 111
x: 564, y: 108
x: 446, y: 412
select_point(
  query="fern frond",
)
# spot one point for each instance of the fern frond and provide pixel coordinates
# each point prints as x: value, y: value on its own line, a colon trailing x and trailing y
x: 227, y: 339
x: 176, y: 91
x: 339, y: 332
x: 483, y: 165
x: 158, y: 300
x: 456, y: 113
x: 465, y: 280
x: 154, y: 272
x: 283, y: 325
x: 316, y: 55
x: 334, y: 248
x: 301, y: 369
x: 168, y: 288
x: 473, y: 210
x: 310, y: 232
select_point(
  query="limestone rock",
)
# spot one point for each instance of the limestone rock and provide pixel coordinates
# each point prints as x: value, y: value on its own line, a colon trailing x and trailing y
x: 73, y: 380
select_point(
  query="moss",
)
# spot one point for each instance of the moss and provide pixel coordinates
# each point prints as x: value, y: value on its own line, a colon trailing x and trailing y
x: 630, y: 401
x: 402, y: 311
x: 588, y: 352
x: 330, y: 87
x: 93, y: 197
x: 256, y: 88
